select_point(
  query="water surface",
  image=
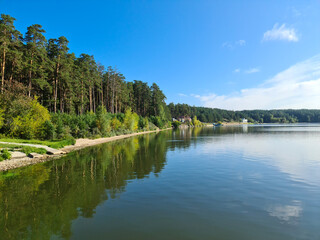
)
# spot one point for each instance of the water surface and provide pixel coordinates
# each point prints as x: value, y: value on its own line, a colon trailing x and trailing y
x: 251, y: 182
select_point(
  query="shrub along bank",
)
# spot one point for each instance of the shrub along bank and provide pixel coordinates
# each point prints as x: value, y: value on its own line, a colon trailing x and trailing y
x: 24, y: 119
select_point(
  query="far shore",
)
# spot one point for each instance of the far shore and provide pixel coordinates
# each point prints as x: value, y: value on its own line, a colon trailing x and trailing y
x: 229, y: 124
x: 80, y: 143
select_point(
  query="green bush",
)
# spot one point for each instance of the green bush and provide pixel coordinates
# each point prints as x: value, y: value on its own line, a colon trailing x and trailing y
x: 27, y: 121
x: 116, y: 124
x: 196, y: 122
x: 130, y: 120
x: 152, y: 126
x: 176, y: 124
x: 59, y: 127
x: 5, y: 154
x: 143, y: 123
x: 47, y: 131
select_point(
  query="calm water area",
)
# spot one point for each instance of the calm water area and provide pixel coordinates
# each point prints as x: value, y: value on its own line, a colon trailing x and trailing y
x: 256, y: 182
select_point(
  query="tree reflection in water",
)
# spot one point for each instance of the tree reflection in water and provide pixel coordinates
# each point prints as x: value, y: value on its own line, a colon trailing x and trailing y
x: 40, y: 201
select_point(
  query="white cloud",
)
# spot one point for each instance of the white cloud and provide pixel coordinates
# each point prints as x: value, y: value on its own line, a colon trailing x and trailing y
x: 232, y: 45
x: 297, y: 87
x: 227, y: 45
x: 241, y: 42
x: 249, y: 71
x: 281, y: 33
x: 182, y: 95
x: 252, y: 70
x: 195, y: 95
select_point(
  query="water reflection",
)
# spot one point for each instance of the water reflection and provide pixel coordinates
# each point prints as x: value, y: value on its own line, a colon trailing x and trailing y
x: 40, y: 201
x: 285, y: 149
x: 253, y: 178
x: 286, y: 213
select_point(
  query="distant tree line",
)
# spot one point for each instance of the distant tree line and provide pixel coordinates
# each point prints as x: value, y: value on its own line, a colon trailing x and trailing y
x: 260, y: 116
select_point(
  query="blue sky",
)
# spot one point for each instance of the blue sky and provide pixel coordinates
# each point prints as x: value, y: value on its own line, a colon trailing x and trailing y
x: 225, y: 54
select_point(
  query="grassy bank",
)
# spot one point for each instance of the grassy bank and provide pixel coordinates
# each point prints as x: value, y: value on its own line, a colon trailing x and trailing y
x: 53, y: 144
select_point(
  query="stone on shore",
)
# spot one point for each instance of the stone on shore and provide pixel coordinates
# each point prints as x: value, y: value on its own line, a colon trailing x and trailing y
x: 35, y: 155
x: 15, y: 155
x: 52, y: 151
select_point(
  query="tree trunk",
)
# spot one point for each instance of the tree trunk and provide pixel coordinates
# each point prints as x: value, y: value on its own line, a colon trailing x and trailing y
x: 81, y: 110
x: 56, y: 85
x: 112, y: 100
x: 102, y: 100
x: 94, y: 100
x: 30, y: 76
x: 61, y: 100
x: 116, y: 104
x: 3, y: 69
x: 107, y: 97
x: 11, y: 75
x: 90, y: 97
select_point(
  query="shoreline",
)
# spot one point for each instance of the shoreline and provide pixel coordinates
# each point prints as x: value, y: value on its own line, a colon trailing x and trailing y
x: 80, y: 144
x: 229, y: 124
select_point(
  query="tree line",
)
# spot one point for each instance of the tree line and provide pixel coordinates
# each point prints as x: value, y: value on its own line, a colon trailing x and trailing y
x: 260, y: 116
x: 35, y: 66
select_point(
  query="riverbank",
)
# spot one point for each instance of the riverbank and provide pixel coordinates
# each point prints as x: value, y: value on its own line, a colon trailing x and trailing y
x: 80, y: 143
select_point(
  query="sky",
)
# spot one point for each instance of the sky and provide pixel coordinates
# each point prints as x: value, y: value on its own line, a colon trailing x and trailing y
x: 225, y: 54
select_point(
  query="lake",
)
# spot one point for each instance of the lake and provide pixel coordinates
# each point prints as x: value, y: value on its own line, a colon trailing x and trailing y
x: 242, y: 182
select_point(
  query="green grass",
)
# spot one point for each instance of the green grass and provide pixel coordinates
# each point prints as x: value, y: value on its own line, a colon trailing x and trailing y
x: 24, y: 149
x: 53, y: 144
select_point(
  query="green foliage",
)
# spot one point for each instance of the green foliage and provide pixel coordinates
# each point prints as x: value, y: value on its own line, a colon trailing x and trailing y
x: 59, y: 129
x: 5, y: 154
x: 143, y: 123
x: 103, y: 120
x: 60, y: 144
x: 23, y: 117
x: 131, y: 120
x: 47, y: 130
x: 1, y: 117
x: 176, y: 124
x: 196, y: 122
x: 152, y: 126
x: 115, y: 124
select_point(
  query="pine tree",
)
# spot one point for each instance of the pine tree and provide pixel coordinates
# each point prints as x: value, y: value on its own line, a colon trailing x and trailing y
x: 8, y: 37
x: 35, y: 57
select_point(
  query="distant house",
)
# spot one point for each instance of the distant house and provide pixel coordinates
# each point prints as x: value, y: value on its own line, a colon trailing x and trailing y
x: 185, y: 119
x: 244, y: 120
